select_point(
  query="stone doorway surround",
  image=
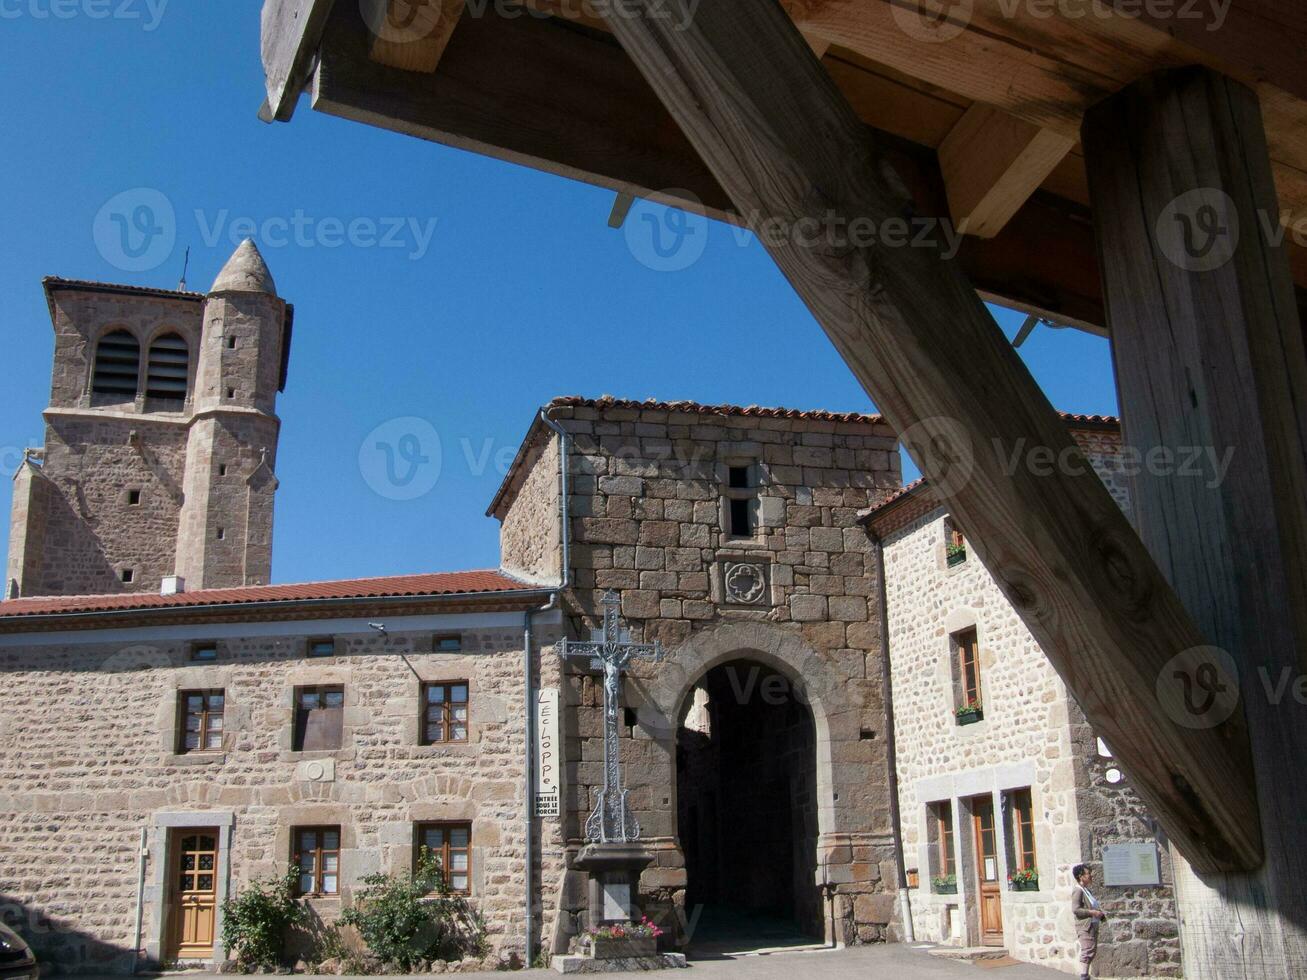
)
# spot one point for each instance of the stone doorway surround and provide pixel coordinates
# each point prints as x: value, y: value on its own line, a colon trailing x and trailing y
x: 826, y: 685
x: 156, y: 888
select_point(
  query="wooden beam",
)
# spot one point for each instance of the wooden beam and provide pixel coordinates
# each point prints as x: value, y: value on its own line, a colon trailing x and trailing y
x: 771, y: 125
x: 411, y: 34
x: 1047, y: 69
x: 290, y: 34
x: 1209, y: 353
x: 540, y: 92
x: 992, y: 162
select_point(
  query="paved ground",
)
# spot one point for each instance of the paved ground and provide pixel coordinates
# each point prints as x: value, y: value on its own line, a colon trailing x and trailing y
x: 891, y: 961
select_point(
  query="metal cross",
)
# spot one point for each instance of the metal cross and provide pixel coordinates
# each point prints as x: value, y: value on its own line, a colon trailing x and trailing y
x: 610, y: 649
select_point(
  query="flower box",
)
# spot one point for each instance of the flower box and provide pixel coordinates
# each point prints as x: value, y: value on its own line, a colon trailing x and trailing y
x: 606, y: 948
x: 969, y: 716
x: 956, y: 556
x: 1030, y: 885
x: 945, y: 889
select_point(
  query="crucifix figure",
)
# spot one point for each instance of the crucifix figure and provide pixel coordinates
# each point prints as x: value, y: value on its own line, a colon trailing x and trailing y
x: 610, y: 649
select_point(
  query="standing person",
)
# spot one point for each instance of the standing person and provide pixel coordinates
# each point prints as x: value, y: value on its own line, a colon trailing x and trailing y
x: 1089, y: 915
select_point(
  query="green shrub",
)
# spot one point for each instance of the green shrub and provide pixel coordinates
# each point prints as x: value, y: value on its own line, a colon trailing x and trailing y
x: 404, y: 918
x: 254, y: 923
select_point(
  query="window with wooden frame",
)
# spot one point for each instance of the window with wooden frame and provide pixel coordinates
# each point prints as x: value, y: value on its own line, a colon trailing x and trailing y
x: 740, y: 500
x: 943, y: 865
x: 319, y: 717
x: 316, y: 852
x: 966, y: 656
x: 444, y: 712
x: 451, y: 845
x: 200, y: 721
x: 1021, y: 830
x: 955, y: 545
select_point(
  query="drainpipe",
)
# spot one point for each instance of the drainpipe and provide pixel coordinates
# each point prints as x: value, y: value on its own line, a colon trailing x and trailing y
x: 141, y: 853
x: 905, y: 900
x: 528, y: 646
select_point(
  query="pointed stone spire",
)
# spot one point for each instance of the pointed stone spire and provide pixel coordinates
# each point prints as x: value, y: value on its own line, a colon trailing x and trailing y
x: 245, y: 272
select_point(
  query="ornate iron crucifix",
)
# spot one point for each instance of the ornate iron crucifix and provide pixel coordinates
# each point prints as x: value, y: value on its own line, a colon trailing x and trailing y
x: 610, y: 649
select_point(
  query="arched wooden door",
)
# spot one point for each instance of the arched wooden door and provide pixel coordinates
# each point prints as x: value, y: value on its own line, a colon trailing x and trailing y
x: 194, y: 898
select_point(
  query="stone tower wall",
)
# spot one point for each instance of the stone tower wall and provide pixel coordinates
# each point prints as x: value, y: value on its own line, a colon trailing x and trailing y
x: 129, y: 492
x: 647, y: 520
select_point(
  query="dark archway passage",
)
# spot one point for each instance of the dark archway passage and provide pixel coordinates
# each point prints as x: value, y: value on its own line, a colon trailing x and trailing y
x: 747, y: 809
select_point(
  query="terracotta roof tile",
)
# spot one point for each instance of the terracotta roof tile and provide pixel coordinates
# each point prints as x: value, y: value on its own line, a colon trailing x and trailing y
x: 698, y: 408
x: 58, y: 282
x: 433, y: 584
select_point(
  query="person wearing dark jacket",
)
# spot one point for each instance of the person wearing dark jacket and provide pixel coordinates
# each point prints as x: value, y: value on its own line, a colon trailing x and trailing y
x: 1089, y: 916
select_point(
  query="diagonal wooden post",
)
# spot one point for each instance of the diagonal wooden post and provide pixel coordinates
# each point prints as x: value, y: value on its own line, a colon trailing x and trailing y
x: 1209, y: 355
x: 780, y: 138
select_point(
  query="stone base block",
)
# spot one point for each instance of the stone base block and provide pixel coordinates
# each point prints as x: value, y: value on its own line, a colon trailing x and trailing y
x: 632, y: 964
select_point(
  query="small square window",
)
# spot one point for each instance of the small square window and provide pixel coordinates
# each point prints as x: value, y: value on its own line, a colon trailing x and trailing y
x: 133, y: 498
x: 231, y: 393
x: 739, y: 478
x: 203, y: 652
x: 955, y: 545
x: 222, y: 533
x: 448, y: 644
x: 128, y: 574
x: 740, y: 500
x: 231, y: 343
x: 222, y: 469
x: 322, y: 648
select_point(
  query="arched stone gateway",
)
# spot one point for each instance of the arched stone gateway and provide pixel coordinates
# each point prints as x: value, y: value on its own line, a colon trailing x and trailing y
x: 778, y: 825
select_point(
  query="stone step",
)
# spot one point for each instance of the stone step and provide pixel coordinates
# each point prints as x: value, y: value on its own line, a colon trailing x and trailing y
x: 969, y: 953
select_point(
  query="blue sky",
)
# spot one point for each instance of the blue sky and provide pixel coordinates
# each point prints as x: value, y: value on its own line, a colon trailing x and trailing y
x: 506, y: 286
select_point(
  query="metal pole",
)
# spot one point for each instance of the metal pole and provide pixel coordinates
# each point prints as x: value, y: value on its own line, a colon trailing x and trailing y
x: 141, y: 852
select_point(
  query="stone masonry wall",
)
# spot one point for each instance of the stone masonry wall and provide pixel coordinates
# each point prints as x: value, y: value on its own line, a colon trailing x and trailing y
x: 87, y: 759
x: 1032, y: 735
x: 800, y: 596
x: 530, y: 539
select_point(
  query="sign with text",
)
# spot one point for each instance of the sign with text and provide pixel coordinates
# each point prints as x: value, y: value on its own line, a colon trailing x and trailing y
x: 1131, y: 864
x: 549, y: 755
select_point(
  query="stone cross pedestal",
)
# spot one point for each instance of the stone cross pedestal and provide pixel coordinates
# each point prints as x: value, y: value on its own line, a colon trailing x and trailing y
x: 613, y: 858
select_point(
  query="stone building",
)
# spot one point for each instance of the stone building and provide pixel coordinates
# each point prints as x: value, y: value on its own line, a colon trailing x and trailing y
x: 732, y: 536
x: 168, y: 739
x: 160, y: 438
x: 1019, y: 783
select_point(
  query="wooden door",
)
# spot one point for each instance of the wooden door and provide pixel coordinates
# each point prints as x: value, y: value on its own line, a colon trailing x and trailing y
x: 988, y: 889
x: 194, y: 893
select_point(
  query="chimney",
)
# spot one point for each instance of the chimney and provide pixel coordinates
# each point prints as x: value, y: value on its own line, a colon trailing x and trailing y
x: 172, y: 585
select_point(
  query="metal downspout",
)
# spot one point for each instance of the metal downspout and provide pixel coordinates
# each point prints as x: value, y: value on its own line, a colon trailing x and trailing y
x: 528, y: 646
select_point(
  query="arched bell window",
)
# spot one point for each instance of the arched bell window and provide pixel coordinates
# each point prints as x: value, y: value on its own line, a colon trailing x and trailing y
x: 117, y: 365
x: 167, y: 369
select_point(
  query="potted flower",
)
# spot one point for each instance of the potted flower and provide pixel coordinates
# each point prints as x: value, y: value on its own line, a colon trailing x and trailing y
x: 970, y: 713
x: 1024, y: 880
x: 624, y: 940
x: 944, y: 884
x: 955, y: 554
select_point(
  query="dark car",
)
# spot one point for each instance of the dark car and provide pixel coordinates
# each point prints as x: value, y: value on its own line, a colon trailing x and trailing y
x: 16, y: 958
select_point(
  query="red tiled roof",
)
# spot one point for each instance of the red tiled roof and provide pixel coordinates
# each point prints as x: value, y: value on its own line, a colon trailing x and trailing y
x: 389, y: 587
x: 697, y: 408
x: 1072, y: 420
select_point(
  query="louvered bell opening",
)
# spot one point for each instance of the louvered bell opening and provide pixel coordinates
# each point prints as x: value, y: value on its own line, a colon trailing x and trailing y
x: 167, y: 370
x: 117, y: 362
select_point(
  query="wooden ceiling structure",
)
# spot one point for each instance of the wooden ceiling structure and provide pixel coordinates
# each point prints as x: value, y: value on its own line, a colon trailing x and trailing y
x: 1061, y: 136
x: 980, y: 108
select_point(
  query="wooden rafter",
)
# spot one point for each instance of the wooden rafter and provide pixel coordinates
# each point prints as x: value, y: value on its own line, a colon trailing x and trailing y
x: 743, y: 84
